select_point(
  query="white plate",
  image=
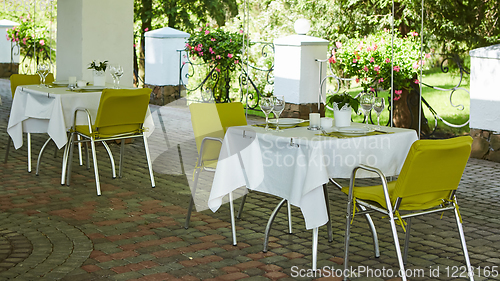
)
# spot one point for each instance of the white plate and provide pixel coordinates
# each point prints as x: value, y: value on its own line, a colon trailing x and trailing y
x: 353, y: 131
x: 92, y: 88
x: 287, y: 121
x: 61, y: 83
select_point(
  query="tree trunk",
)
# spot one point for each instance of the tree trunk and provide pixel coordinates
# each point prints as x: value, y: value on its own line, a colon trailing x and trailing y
x: 406, y: 111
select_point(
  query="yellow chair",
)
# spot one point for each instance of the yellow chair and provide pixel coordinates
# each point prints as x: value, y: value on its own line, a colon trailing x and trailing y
x: 120, y: 115
x: 210, y: 122
x: 24, y: 79
x: 427, y: 184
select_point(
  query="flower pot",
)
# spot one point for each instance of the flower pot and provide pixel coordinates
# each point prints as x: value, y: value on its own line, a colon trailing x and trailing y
x: 99, y: 78
x: 342, y: 117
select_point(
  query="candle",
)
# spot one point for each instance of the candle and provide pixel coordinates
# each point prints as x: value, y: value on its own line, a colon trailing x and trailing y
x: 314, y: 120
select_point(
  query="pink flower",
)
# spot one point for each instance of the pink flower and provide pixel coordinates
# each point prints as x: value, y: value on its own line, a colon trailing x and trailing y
x: 357, y: 80
x: 229, y: 55
x: 218, y: 70
x: 398, y: 92
x: 212, y: 39
x: 218, y: 57
x: 200, y: 29
x: 372, y: 90
x: 376, y: 68
x: 241, y: 31
x: 365, y: 68
x: 24, y: 20
x: 332, y: 60
x: 20, y: 17
x: 236, y: 61
x: 200, y: 46
x: 183, y: 63
x: 372, y: 59
x: 146, y: 29
x: 396, y: 68
x: 211, y: 50
x: 24, y: 40
x: 201, y: 54
x: 416, y: 81
x: 230, y: 40
x: 413, y: 33
x: 207, y: 32
x: 207, y: 25
x: 387, y: 60
x: 428, y: 56
x: 42, y: 42
x: 7, y: 36
x: 381, y: 80
x: 354, y: 61
x: 397, y: 98
x: 338, y: 44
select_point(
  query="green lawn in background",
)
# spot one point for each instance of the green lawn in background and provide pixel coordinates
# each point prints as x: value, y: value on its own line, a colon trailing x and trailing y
x: 438, y: 100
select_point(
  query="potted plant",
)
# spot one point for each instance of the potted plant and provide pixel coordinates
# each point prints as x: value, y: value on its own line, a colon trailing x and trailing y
x: 99, y: 68
x: 342, y: 106
x: 221, y: 51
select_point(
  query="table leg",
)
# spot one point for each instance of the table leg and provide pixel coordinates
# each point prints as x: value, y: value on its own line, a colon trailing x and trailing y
x: 270, y: 223
x: 314, y: 248
x: 233, y: 223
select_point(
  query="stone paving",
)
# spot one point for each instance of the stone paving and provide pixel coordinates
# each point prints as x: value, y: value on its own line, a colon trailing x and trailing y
x: 133, y: 232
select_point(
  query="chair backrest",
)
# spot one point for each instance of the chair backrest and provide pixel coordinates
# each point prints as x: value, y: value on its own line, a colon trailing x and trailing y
x: 25, y: 79
x: 231, y: 114
x: 121, y: 111
x: 212, y: 120
x: 432, y: 170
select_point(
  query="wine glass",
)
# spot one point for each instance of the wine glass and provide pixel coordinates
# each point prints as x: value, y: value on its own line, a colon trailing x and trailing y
x: 266, y: 105
x: 118, y: 73
x: 278, y: 107
x: 112, y: 69
x: 366, y: 100
x: 43, y: 71
x: 378, y: 106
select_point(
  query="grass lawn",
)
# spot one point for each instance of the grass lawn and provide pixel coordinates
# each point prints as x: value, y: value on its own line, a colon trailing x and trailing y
x: 438, y: 100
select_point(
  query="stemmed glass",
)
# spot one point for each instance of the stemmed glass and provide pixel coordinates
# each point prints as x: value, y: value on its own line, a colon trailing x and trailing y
x: 266, y: 105
x: 278, y: 107
x: 378, y: 106
x: 366, y: 100
x: 43, y: 71
x: 117, y: 72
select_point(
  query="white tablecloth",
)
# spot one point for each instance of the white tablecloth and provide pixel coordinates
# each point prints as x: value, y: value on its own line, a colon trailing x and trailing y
x: 51, y: 110
x: 294, y: 164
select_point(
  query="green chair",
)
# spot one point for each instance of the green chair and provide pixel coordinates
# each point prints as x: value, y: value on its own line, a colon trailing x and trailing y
x: 427, y: 184
x: 120, y: 115
x: 15, y: 81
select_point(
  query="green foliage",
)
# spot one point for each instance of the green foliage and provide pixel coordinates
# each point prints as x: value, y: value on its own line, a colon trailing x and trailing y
x: 32, y: 37
x: 216, y: 47
x: 98, y: 65
x: 342, y: 100
x: 369, y: 60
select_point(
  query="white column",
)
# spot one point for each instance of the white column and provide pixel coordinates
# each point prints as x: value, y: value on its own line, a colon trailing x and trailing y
x: 94, y: 30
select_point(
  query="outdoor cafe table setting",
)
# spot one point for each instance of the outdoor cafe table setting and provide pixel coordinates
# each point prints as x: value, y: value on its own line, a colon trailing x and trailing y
x: 295, y: 163
x: 42, y: 109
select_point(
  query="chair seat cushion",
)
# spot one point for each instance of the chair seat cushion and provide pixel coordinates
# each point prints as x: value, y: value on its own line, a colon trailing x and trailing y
x: 371, y: 193
x: 84, y: 130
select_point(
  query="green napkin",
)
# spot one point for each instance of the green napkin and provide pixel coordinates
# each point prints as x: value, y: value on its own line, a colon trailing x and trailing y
x: 303, y: 124
x: 343, y: 136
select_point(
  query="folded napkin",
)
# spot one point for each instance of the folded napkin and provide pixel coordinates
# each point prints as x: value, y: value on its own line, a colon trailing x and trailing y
x: 303, y: 124
x: 342, y: 136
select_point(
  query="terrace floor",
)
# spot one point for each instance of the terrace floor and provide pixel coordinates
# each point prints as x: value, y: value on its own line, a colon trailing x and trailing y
x: 133, y: 232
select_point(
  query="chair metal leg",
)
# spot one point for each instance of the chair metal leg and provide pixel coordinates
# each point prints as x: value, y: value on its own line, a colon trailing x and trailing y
x: 464, y: 246
x: 65, y: 160
x: 7, y: 148
x: 120, y: 164
x: 270, y: 223
x: 243, y: 200
x: 329, y: 223
x: 148, y: 157
x: 191, y: 202
x: 407, y: 240
x: 42, y: 150
x: 71, y: 143
x: 347, y: 237
x: 289, y: 212
x: 96, y: 169
x: 79, y: 138
x: 398, y: 248
x: 29, y: 152
x: 111, y: 159
x: 233, y: 223
x: 370, y: 223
